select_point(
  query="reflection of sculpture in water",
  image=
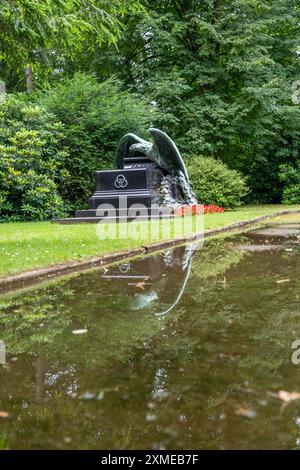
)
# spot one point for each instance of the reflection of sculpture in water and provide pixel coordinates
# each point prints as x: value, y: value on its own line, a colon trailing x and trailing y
x: 2, y: 353
x: 155, y: 283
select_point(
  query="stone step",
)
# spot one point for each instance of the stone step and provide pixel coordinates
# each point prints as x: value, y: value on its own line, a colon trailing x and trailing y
x: 122, y: 212
x: 137, y: 160
x: 95, y: 220
x: 115, y: 201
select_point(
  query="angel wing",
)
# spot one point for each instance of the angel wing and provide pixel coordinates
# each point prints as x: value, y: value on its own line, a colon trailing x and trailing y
x: 165, y: 154
x: 123, y: 148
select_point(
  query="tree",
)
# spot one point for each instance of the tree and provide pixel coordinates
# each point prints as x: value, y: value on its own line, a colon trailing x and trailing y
x: 95, y: 116
x: 220, y: 74
x: 35, y: 35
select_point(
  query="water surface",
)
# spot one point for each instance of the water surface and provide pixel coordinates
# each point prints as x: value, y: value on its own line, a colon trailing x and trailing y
x: 185, y: 349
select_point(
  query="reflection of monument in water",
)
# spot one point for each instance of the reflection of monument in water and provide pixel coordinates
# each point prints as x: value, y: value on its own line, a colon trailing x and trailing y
x: 154, y: 283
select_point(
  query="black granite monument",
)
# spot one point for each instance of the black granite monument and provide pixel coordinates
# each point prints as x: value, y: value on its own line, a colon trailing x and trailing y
x: 149, y: 180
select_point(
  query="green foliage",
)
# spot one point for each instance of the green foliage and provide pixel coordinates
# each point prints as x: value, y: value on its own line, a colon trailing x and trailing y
x: 43, y: 33
x: 31, y: 162
x: 214, y: 259
x: 95, y: 116
x: 215, y: 183
x: 290, y: 176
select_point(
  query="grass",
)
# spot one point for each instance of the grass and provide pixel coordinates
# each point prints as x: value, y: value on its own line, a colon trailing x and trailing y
x: 29, y: 245
x: 286, y: 219
x: 243, y: 213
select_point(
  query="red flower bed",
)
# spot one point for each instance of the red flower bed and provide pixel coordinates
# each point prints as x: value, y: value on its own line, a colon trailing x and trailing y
x: 198, y: 209
x: 212, y: 208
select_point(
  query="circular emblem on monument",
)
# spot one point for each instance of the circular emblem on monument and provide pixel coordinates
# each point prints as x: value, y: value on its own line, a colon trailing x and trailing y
x: 120, y: 182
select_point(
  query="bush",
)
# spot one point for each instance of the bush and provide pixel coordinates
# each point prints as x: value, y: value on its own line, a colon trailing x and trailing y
x: 95, y: 116
x: 290, y: 176
x: 215, y: 183
x: 31, y: 159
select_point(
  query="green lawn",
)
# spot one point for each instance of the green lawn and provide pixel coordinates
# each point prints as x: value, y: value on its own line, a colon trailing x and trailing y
x: 29, y: 245
x: 243, y: 213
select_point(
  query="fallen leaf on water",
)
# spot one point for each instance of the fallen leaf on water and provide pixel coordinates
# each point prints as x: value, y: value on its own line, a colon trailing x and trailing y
x: 141, y: 285
x: 86, y: 396
x: 150, y: 417
x: 287, y: 397
x: 4, y: 414
x: 247, y: 413
x: 281, y: 281
x: 79, y: 332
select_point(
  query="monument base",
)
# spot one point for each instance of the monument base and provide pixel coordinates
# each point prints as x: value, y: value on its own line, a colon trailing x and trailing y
x: 123, y: 196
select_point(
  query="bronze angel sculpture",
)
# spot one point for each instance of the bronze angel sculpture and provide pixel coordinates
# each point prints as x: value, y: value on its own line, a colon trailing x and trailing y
x: 175, y: 188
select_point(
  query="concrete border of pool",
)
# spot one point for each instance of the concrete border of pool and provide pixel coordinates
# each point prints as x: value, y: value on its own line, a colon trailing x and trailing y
x: 37, y: 276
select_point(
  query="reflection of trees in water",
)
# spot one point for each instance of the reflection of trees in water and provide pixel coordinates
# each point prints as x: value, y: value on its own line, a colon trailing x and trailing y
x: 215, y: 257
x: 247, y: 328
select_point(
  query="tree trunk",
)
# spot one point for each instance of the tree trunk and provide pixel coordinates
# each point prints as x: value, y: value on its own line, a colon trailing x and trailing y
x: 29, y: 78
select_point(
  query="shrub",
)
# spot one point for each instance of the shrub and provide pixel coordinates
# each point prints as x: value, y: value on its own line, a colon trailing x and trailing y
x: 290, y: 176
x: 31, y: 160
x: 215, y: 183
x: 95, y: 116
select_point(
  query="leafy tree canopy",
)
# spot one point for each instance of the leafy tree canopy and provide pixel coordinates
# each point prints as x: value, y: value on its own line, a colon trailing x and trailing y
x: 40, y: 33
x: 220, y: 73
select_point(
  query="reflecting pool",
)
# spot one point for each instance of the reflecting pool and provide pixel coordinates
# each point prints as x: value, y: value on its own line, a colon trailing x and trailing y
x: 185, y: 349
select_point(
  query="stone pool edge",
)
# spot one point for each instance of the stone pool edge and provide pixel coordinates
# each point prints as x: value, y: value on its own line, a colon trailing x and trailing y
x: 14, y: 281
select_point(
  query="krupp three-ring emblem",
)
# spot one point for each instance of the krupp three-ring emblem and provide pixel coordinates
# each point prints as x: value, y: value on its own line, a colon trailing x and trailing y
x: 120, y: 182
